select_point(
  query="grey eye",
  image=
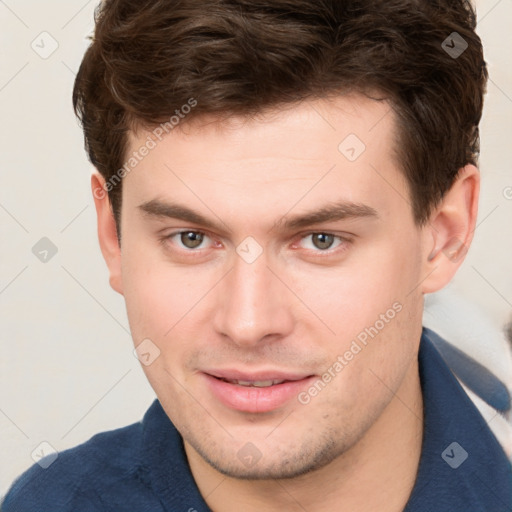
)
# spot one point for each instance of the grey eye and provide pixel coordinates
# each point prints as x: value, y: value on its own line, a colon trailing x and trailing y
x: 191, y: 239
x: 322, y: 240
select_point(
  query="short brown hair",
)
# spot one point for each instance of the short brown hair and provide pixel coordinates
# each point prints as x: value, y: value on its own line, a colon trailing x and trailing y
x: 240, y: 57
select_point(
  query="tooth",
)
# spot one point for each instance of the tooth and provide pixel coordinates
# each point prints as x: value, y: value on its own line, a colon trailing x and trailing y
x: 243, y: 382
x: 263, y: 383
x: 255, y: 383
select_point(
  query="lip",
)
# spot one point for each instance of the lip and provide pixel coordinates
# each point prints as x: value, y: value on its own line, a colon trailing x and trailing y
x: 254, y: 376
x: 254, y: 399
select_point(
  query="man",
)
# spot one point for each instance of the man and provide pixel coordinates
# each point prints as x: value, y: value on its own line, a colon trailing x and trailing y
x: 279, y: 185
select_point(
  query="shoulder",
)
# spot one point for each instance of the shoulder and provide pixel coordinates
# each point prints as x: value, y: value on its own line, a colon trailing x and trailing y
x: 84, y: 477
x: 462, y: 467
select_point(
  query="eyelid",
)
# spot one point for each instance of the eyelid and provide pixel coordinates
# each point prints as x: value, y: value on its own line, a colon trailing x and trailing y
x: 169, y: 236
x: 344, y: 239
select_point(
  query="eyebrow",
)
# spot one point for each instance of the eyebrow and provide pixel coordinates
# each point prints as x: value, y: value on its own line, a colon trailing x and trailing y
x: 160, y: 209
x: 340, y: 210
x: 333, y: 212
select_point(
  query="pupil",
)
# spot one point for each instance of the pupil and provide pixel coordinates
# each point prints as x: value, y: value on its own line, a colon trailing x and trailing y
x: 191, y: 239
x: 323, y: 241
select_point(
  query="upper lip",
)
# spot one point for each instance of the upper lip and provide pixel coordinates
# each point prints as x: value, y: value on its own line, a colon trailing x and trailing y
x: 256, y: 376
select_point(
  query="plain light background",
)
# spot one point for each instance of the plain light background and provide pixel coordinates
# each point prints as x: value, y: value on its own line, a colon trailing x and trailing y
x: 67, y: 369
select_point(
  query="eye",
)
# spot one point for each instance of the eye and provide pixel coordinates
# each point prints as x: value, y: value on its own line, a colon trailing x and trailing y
x: 189, y: 239
x: 321, y: 241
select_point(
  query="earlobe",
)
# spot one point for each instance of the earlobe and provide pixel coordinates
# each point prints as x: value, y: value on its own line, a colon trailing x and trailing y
x: 107, y: 231
x: 449, y: 232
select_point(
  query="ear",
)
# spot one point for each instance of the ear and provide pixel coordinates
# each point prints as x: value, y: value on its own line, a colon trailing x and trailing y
x: 448, y: 234
x: 107, y: 231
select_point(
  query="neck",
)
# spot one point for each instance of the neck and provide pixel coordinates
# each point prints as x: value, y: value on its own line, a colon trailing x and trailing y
x: 377, y: 473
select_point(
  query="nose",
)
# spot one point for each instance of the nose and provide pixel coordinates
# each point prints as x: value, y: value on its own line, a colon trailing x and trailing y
x: 253, y: 305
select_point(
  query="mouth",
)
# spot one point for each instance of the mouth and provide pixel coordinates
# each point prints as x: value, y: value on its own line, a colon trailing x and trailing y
x: 256, y: 393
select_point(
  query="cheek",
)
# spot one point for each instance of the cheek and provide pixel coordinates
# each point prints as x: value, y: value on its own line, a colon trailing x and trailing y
x: 159, y: 303
x: 364, y: 286
x: 153, y: 296
x: 162, y: 298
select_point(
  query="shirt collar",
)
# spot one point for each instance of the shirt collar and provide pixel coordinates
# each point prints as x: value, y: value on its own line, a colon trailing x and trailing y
x: 462, y: 466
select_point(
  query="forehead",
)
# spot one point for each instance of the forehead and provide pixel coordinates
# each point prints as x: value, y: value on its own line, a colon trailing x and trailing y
x: 318, y: 150
x: 350, y: 113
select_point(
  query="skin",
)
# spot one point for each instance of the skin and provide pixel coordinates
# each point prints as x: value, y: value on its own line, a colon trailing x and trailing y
x: 356, y: 444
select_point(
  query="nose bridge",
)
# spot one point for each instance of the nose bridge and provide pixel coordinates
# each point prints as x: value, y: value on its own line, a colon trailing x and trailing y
x: 251, y: 305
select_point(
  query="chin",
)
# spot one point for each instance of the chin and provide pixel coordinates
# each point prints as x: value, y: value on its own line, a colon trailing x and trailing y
x: 284, y: 463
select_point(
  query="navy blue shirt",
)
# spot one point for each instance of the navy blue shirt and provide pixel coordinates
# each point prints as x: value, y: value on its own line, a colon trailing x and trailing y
x: 143, y: 467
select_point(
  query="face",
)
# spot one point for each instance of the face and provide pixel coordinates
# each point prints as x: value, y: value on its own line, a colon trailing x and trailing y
x: 274, y: 266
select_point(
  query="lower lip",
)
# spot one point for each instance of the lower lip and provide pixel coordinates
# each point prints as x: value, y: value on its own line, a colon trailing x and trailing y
x: 253, y: 399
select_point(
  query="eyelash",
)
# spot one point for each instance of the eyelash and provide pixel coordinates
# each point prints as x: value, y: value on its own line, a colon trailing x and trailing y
x: 342, y: 246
